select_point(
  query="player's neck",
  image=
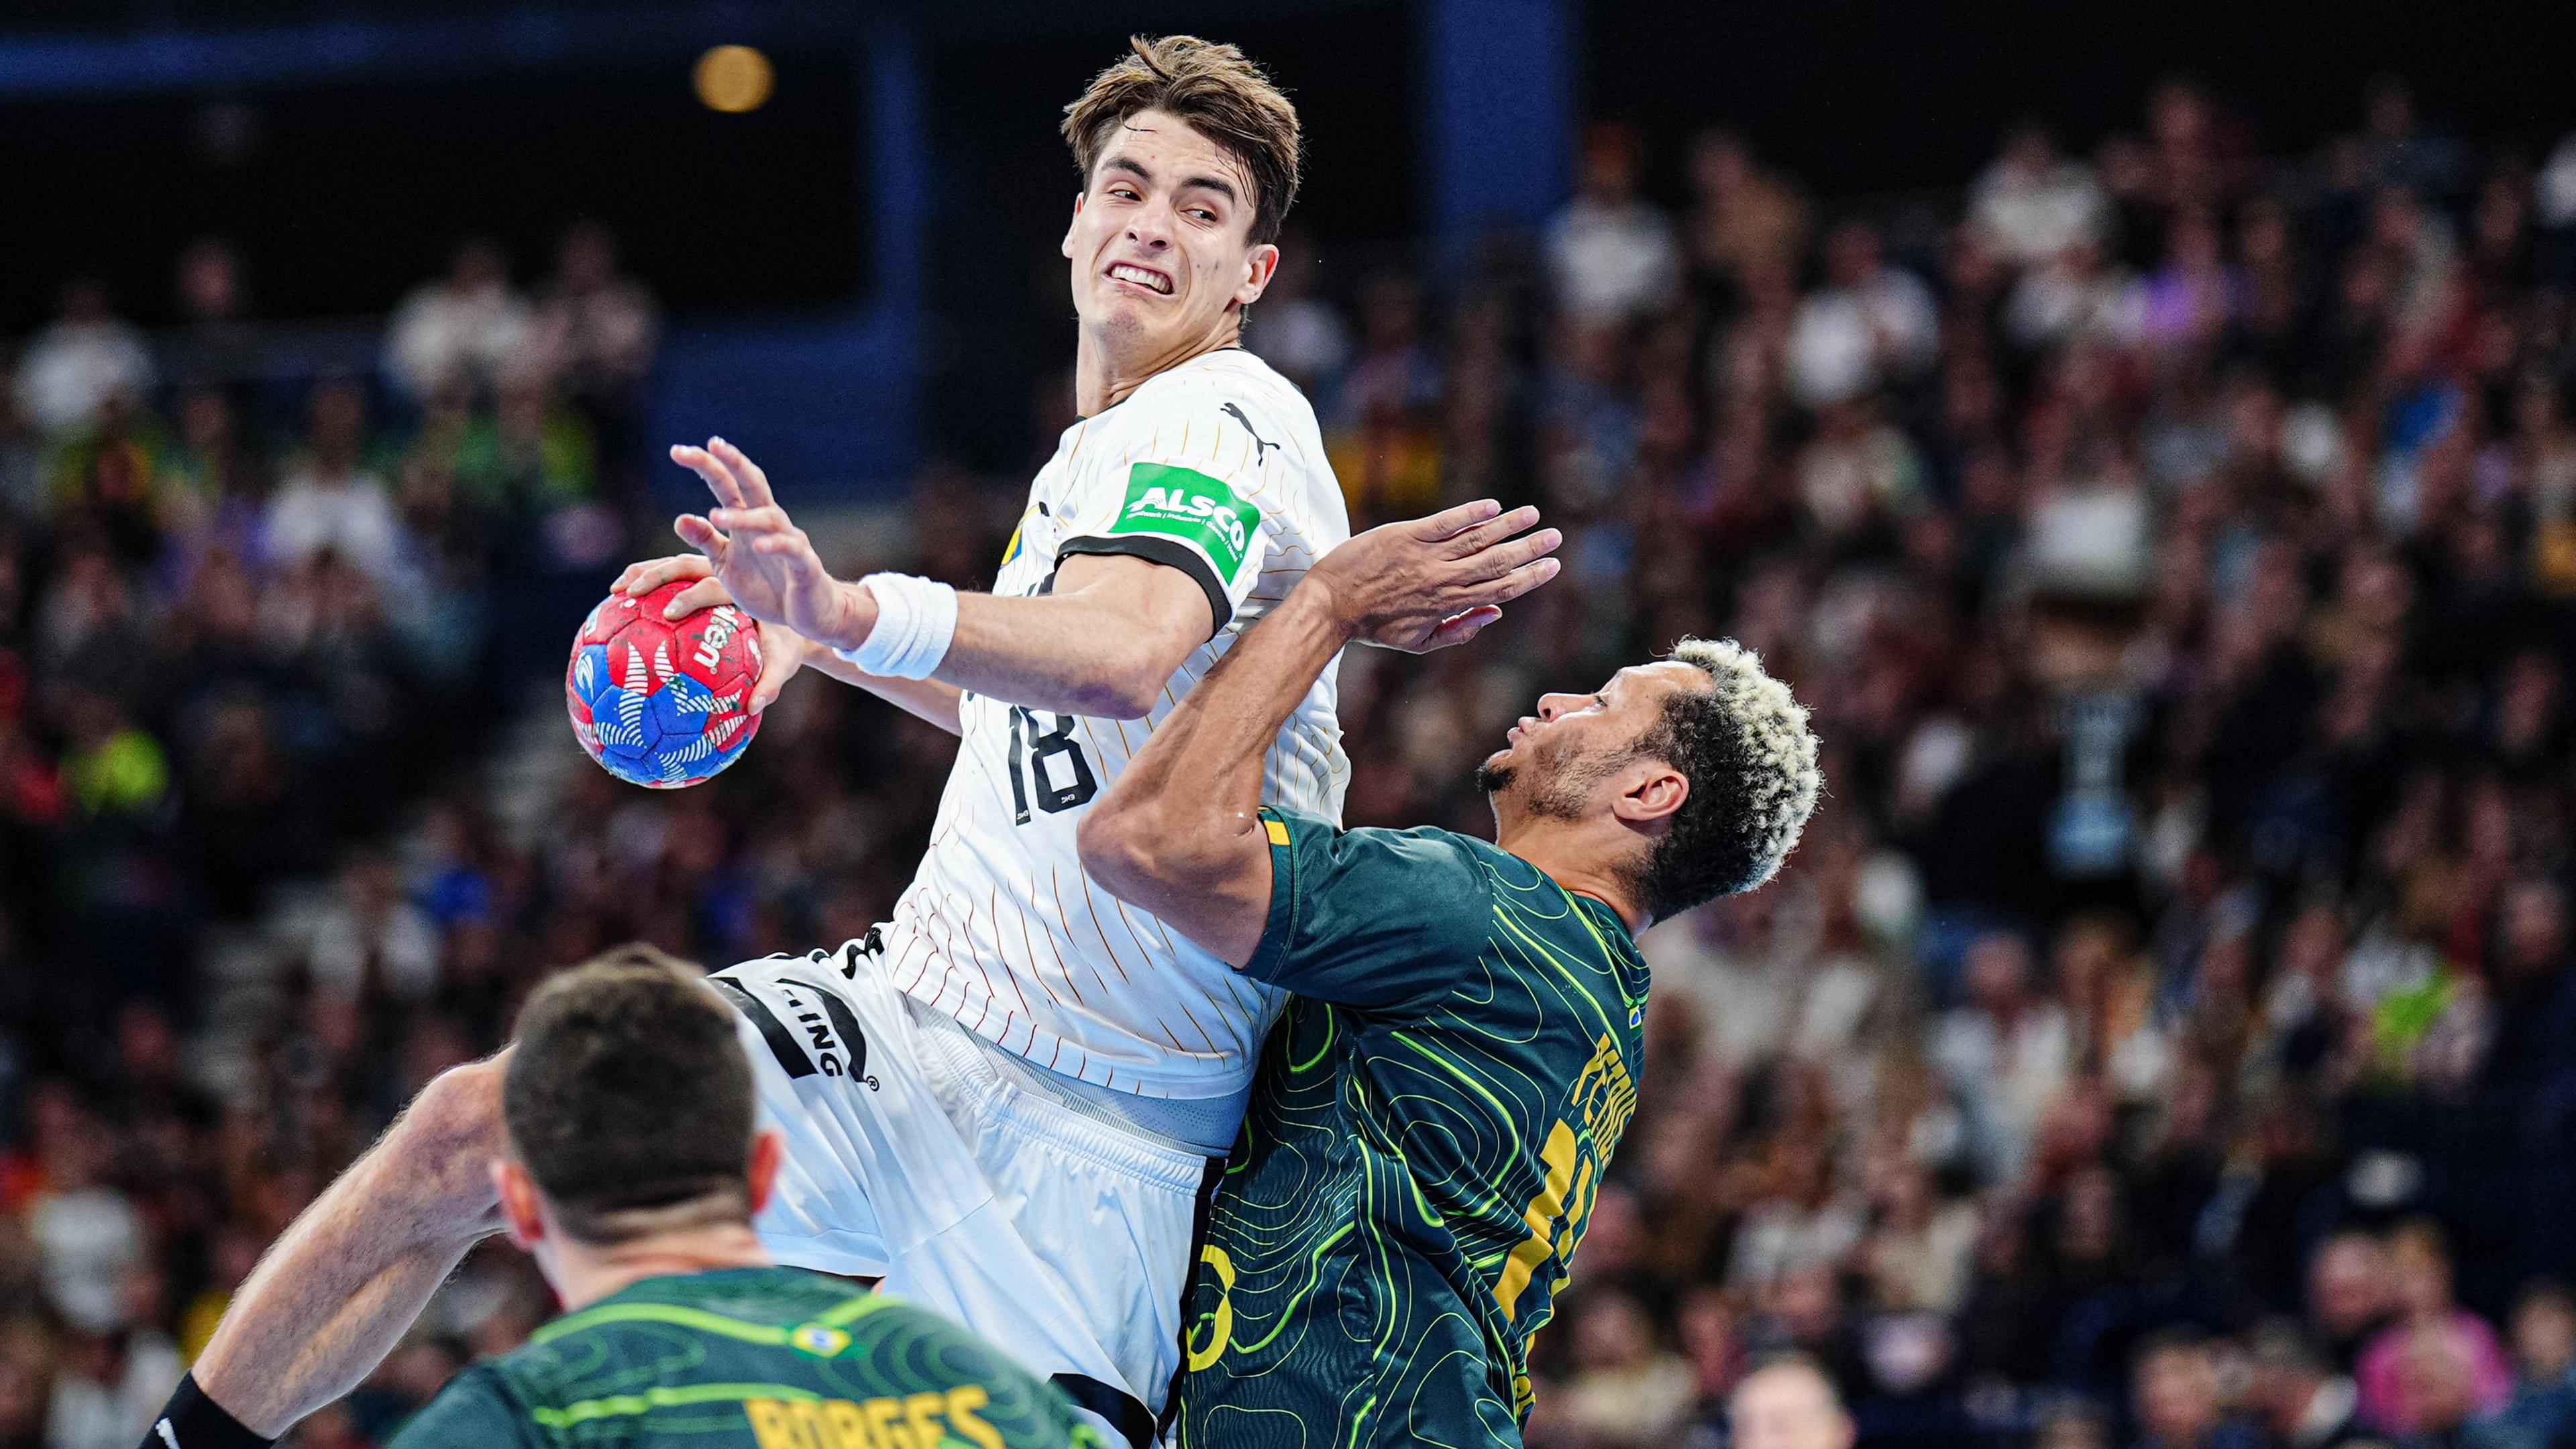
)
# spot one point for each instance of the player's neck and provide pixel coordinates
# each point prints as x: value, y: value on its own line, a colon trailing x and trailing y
x: 583, y: 1273
x: 1561, y: 851
x: 1107, y: 368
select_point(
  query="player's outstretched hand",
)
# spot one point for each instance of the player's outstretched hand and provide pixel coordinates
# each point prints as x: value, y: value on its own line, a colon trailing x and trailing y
x: 782, y: 650
x: 765, y: 561
x: 1432, y: 582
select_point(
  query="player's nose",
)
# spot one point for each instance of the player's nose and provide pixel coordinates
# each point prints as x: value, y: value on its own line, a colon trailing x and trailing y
x: 1552, y: 705
x: 1151, y: 227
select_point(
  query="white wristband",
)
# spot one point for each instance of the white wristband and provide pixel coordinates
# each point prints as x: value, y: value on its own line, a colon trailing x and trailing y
x: 916, y: 619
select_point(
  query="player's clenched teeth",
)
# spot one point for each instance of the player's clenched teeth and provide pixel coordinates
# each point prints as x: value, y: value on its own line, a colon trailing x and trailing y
x: 1141, y: 276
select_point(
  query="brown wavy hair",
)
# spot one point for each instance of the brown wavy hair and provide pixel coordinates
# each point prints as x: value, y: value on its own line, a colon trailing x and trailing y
x: 1223, y: 95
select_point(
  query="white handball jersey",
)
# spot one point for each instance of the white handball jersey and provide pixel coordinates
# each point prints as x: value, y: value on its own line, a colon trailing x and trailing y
x: 1214, y: 468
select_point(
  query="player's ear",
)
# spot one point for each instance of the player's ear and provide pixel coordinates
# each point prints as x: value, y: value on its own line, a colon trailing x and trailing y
x: 1257, y: 272
x: 1067, y: 248
x: 767, y: 1151
x: 1653, y: 791
x: 519, y: 1203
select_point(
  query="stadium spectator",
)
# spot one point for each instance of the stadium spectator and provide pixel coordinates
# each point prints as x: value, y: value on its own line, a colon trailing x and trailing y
x: 107, y: 1387
x: 591, y: 339
x: 373, y: 938
x: 330, y: 500
x: 1610, y: 253
x: 2406, y: 1356
x: 594, y: 327
x: 87, y: 359
x: 2032, y: 204
x: 2007, y: 1052
x: 1629, y: 1391
x: 216, y: 345
x: 1870, y: 324
x: 2438, y: 1365
x: 1788, y: 1404
x: 1742, y: 216
x: 1295, y: 331
x: 468, y: 327
x: 2544, y: 1364
x: 2181, y: 1400
x: 2296, y: 1397
x: 1385, y: 437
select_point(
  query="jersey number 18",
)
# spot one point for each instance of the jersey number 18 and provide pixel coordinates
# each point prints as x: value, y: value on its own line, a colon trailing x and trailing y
x: 1029, y: 753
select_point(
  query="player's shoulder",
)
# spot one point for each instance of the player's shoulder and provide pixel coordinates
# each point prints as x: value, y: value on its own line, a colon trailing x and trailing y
x: 737, y: 1305
x: 1426, y: 856
x: 1225, y: 388
x: 481, y: 1406
x: 765, y: 1294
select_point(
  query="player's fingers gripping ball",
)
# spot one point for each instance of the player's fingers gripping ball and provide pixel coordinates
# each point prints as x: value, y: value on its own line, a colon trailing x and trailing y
x: 663, y: 703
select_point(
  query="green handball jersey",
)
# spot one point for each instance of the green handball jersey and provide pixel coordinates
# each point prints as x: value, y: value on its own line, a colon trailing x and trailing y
x: 1428, y: 1128
x: 748, y: 1358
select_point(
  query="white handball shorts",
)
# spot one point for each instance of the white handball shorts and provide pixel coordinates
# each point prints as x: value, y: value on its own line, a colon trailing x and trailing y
x: 1061, y: 1240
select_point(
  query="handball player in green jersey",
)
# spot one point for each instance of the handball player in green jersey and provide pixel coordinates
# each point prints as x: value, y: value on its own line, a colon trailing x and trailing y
x: 1432, y: 1116
x: 633, y: 1175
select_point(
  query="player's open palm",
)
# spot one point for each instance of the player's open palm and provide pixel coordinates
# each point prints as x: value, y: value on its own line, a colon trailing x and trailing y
x: 763, y: 559
x: 1428, y: 583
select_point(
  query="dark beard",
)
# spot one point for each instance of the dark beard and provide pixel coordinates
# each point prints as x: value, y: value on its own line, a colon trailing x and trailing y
x: 1550, y: 795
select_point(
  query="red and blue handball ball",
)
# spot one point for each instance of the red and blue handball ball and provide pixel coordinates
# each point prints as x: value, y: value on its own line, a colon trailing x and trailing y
x: 663, y: 703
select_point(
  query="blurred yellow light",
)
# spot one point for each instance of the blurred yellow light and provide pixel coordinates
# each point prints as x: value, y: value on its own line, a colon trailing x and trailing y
x: 733, y: 79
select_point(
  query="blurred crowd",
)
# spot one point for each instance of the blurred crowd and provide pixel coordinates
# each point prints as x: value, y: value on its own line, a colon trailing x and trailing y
x: 251, y: 606
x: 2165, y: 1036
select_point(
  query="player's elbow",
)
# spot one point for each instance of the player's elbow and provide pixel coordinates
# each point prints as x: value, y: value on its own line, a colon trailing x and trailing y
x: 1139, y: 853
x: 441, y: 1149
x: 1129, y: 665
x: 1124, y: 683
x: 1112, y: 842
x: 1116, y: 698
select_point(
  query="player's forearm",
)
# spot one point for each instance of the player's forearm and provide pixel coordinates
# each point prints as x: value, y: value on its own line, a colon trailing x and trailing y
x: 282, y: 1379
x: 1208, y: 753
x: 929, y: 699
x: 1102, y: 641
x: 1069, y: 655
x: 1180, y: 832
x: 1075, y: 655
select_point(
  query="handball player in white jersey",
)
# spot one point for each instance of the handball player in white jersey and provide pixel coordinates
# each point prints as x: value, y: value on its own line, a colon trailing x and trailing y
x: 1009, y: 1101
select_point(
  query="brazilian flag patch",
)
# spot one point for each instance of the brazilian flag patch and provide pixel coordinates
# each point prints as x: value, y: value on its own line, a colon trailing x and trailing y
x: 1192, y: 508
x: 821, y: 1340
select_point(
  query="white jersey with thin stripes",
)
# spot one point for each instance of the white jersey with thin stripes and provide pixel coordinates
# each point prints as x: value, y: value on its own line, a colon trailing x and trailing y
x: 1000, y: 929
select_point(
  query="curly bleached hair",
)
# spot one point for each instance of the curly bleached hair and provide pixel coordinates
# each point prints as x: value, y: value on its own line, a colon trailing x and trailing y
x: 1751, y: 760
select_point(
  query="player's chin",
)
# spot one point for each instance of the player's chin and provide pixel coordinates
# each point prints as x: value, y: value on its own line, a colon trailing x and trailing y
x: 1494, y: 776
x: 1117, y: 311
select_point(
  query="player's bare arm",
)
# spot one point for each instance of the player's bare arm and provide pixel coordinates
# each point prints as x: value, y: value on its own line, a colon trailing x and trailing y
x: 330, y: 1298
x: 1180, y: 833
x: 1102, y: 642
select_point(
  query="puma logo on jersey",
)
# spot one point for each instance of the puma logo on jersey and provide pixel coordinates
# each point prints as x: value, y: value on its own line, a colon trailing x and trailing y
x: 1260, y: 447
